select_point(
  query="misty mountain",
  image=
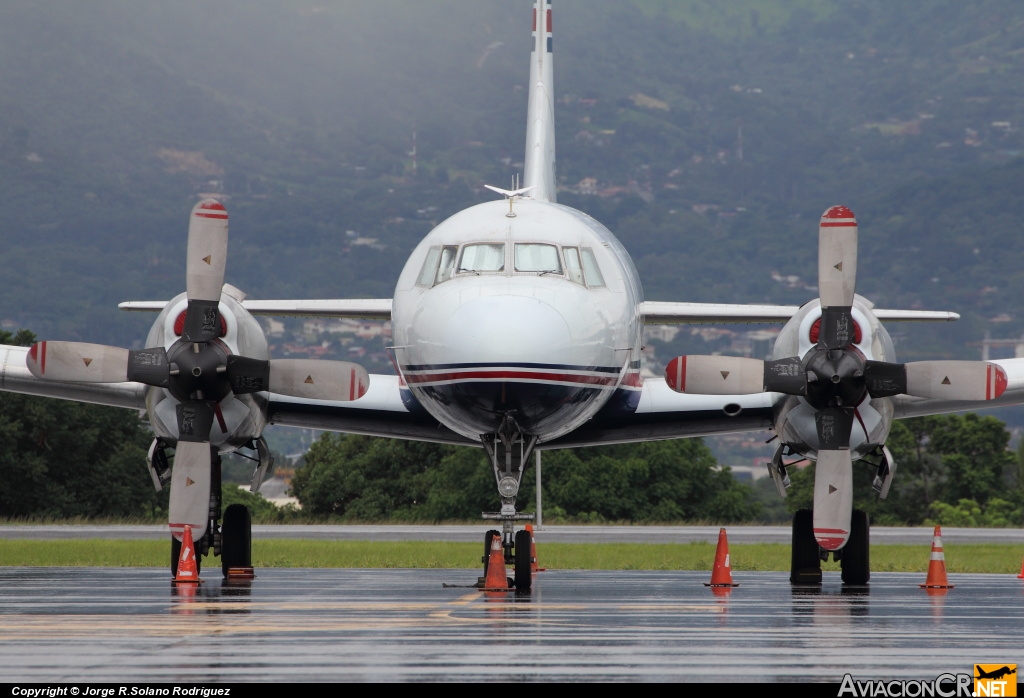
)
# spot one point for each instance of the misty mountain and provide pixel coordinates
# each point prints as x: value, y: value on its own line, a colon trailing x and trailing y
x: 709, y: 138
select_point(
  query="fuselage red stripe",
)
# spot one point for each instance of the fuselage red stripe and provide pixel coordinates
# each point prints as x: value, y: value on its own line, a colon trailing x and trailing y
x: 201, y: 214
x: 508, y: 375
x: 838, y: 224
x: 42, y: 357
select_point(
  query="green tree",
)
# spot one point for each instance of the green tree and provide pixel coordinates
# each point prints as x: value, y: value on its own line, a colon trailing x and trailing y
x: 64, y: 459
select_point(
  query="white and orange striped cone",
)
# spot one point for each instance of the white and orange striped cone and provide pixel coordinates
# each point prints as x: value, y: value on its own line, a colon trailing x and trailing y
x: 721, y: 575
x: 188, y: 570
x: 496, y: 579
x: 937, y: 565
x: 534, y: 568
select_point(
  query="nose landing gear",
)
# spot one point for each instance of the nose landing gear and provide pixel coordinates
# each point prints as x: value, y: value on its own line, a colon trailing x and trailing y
x: 509, y: 450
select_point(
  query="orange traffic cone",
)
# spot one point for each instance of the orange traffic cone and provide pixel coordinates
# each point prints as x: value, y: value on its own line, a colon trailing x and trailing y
x: 496, y: 580
x: 721, y: 575
x: 188, y: 570
x: 937, y: 565
x: 1021, y: 575
x: 533, y: 552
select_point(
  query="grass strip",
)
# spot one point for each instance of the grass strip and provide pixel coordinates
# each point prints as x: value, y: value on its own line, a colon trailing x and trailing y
x: 982, y: 557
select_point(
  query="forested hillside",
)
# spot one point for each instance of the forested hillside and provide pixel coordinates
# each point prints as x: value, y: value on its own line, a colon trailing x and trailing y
x: 708, y: 136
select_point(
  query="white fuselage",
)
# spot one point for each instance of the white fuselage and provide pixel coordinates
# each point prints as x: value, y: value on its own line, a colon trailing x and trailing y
x: 533, y: 316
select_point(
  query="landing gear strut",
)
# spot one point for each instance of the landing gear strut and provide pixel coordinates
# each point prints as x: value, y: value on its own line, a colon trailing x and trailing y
x: 232, y: 541
x: 509, y: 451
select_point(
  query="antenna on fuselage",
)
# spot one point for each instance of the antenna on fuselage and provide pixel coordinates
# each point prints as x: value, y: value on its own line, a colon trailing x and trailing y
x: 511, y: 195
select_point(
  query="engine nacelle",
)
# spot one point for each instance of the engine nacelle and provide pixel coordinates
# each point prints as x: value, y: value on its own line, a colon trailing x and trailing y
x: 794, y: 415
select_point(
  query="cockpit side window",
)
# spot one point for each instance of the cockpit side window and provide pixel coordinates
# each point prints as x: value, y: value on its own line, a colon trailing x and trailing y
x: 537, y: 257
x: 572, y: 264
x: 444, y: 271
x: 591, y: 271
x: 482, y: 257
x: 426, y: 277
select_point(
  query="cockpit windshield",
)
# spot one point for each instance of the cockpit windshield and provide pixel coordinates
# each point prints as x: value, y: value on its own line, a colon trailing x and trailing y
x: 577, y: 264
x: 537, y: 257
x: 482, y: 257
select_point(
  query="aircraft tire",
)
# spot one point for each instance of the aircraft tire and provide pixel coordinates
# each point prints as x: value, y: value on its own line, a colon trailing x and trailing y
x: 524, y: 562
x: 236, y: 538
x: 856, y: 554
x: 176, y: 556
x: 806, y: 563
x: 488, y: 537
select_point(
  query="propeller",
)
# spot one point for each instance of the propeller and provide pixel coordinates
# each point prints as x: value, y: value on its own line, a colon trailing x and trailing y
x: 198, y: 369
x: 834, y: 376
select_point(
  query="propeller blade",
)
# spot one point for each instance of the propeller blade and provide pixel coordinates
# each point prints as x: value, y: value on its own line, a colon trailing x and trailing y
x: 837, y: 257
x: 77, y: 361
x: 785, y: 376
x: 318, y: 380
x: 207, y: 251
x: 715, y: 375
x: 248, y: 375
x: 955, y: 380
x: 885, y: 379
x: 195, y: 420
x: 833, y: 425
x: 149, y: 366
x: 189, y: 503
x: 833, y: 498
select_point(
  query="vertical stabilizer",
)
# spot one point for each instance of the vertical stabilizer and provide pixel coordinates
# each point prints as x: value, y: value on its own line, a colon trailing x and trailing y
x: 540, y: 127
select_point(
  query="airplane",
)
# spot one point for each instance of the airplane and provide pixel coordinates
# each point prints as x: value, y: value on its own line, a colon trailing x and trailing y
x: 995, y: 673
x: 517, y: 327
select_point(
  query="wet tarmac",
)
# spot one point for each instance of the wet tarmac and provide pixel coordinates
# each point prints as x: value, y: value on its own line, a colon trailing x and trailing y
x: 131, y: 625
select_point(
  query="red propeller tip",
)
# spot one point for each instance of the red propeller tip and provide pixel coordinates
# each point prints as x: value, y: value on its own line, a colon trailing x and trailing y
x: 675, y: 374
x: 838, y: 212
x: 210, y: 208
x: 996, y: 382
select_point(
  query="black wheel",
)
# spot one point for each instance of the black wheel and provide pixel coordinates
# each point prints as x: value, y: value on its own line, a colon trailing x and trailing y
x: 176, y: 555
x: 856, y: 559
x: 806, y: 567
x: 488, y: 537
x: 236, y: 538
x: 524, y: 560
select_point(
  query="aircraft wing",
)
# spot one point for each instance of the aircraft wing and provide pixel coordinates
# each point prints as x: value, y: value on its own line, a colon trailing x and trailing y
x: 665, y: 414
x: 670, y: 313
x: 357, y: 308
x: 380, y: 412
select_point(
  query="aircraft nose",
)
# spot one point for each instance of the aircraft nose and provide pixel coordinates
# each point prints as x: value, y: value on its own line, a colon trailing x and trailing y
x: 512, y: 329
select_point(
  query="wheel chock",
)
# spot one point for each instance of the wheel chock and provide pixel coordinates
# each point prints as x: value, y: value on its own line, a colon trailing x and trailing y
x: 240, y: 573
x: 721, y: 575
x: 188, y: 570
x: 937, y: 565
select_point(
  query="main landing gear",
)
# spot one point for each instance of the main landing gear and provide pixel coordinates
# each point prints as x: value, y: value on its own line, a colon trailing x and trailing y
x: 808, y: 555
x: 509, y: 451
x: 229, y: 537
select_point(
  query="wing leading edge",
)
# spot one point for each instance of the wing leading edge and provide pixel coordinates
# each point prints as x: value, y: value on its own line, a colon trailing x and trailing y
x: 671, y: 313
